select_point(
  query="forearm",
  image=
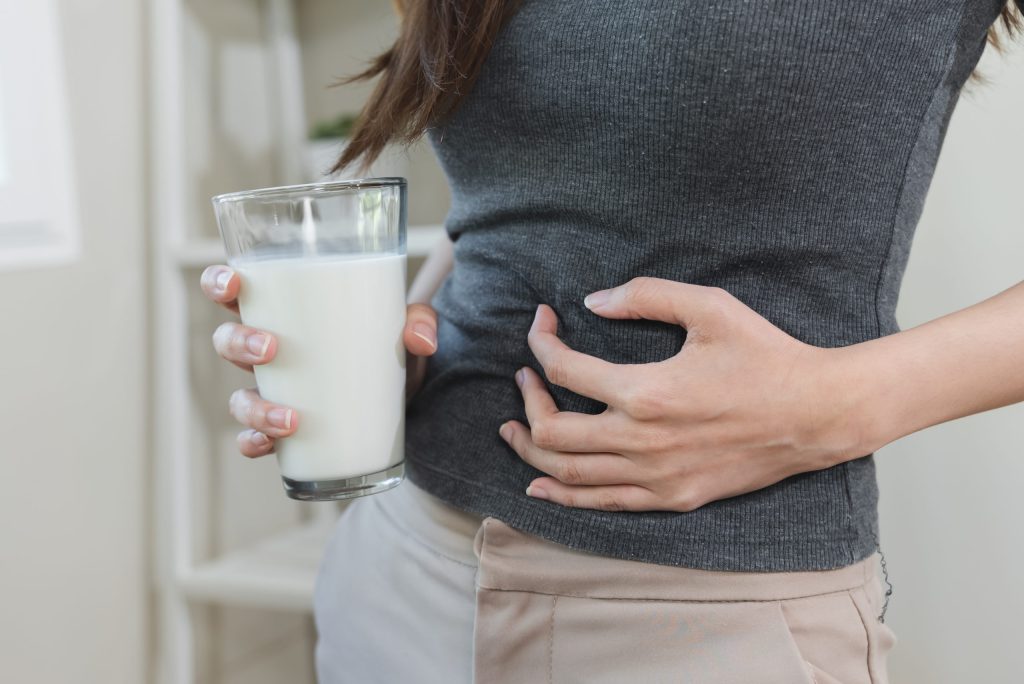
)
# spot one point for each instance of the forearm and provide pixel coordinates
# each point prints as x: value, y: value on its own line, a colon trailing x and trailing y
x: 432, y: 273
x: 963, y: 363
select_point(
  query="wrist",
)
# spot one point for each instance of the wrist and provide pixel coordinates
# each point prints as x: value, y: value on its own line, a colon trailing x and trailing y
x: 864, y: 413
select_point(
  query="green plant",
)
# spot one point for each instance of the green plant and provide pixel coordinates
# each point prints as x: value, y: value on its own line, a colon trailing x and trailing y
x: 339, y: 127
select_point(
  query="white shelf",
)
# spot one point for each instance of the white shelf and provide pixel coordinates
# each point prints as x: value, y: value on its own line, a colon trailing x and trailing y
x: 279, y: 571
x: 202, y: 253
x: 276, y: 573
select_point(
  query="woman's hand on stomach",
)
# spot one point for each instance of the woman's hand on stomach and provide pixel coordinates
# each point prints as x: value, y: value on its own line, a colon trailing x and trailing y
x: 741, y: 406
x: 246, y: 347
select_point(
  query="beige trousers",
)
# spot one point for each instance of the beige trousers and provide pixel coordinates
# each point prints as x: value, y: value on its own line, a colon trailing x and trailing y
x: 412, y: 590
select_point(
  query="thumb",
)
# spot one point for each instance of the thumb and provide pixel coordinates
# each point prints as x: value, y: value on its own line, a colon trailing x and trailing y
x: 657, y: 299
x: 420, y: 334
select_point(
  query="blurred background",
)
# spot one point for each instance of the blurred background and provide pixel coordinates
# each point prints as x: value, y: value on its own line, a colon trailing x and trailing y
x: 137, y: 545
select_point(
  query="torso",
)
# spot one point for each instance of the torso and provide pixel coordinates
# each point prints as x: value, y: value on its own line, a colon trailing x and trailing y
x: 780, y: 150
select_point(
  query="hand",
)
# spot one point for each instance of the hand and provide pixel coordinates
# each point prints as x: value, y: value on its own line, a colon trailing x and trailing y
x: 247, y: 347
x: 741, y: 406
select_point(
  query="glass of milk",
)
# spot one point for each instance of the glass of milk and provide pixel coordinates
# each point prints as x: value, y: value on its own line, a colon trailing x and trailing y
x: 323, y: 268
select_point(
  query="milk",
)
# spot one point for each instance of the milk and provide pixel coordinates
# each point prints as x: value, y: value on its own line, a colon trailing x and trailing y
x: 340, y: 359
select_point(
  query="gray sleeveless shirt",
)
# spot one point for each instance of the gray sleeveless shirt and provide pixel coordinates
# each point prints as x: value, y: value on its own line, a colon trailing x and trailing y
x: 780, y: 149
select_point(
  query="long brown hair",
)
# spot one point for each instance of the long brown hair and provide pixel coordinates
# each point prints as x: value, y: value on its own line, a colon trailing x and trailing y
x: 436, y: 58
x: 1012, y: 23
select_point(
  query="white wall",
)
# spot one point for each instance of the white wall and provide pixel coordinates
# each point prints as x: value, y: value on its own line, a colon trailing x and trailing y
x: 951, y: 510
x: 338, y: 38
x: 72, y: 411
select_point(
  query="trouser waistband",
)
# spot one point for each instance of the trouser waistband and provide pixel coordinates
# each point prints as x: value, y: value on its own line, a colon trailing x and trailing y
x: 514, y: 561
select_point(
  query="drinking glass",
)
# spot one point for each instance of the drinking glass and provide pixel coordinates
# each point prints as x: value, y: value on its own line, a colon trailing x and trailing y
x: 323, y: 269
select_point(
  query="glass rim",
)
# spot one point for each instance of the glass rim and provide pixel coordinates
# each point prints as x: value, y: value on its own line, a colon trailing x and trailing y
x: 320, y: 187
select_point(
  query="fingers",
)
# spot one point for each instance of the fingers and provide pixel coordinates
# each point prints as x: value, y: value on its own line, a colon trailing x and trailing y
x: 659, y: 299
x: 564, y: 430
x: 251, y: 410
x: 254, y: 444
x: 220, y: 284
x: 579, y: 372
x: 244, y: 346
x: 420, y: 334
x: 621, y: 497
x: 577, y: 469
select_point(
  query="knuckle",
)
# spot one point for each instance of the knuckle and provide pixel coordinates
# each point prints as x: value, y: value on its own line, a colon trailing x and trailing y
x: 543, y: 434
x: 642, y: 404
x: 245, y: 445
x: 568, y: 471
x: 720, y: 294
x: 687, y: 499
x: 245, y: 408
x: 255, y: 414
x: 557, y: 369
x: 683, y: 446
x: 629, y: 402
x: 659, y: 471
x: 608, y: 501
x: 638, y: 284
x: 720, y: 300
x: 652, y: 438
x: 640, y: 289
x: 213, y: 284
x: 253, y: 443
x: 237, y: 342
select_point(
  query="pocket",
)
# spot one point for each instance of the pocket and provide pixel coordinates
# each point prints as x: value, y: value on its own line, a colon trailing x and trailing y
x: 672, y: 641
x: 529, y: 627
x: 881, y: 639
x: 829, y: 633
x: 814, y: 674
x: 520, y: 636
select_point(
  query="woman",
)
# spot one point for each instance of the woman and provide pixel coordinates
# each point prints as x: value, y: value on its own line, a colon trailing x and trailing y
x: 648, y: 374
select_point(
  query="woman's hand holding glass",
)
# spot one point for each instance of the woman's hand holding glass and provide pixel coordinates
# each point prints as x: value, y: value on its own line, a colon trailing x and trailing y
x: 247, y: 347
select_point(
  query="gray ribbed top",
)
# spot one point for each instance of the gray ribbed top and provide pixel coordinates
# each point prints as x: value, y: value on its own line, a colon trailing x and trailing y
x: 781, y: 150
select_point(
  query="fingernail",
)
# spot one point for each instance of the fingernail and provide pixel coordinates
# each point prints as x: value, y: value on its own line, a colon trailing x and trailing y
x: 520, y: 376
x: 223, y: 278
x: 598, y: 298
x: 426, y: 332
x: 280, y: 417
x: 536, y: 492
x: 259, y: 439
x: 505, y: 431
x: 257, y: 344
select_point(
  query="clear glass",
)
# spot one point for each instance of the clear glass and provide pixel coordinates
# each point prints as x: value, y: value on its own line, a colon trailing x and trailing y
x: 323, y: 268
